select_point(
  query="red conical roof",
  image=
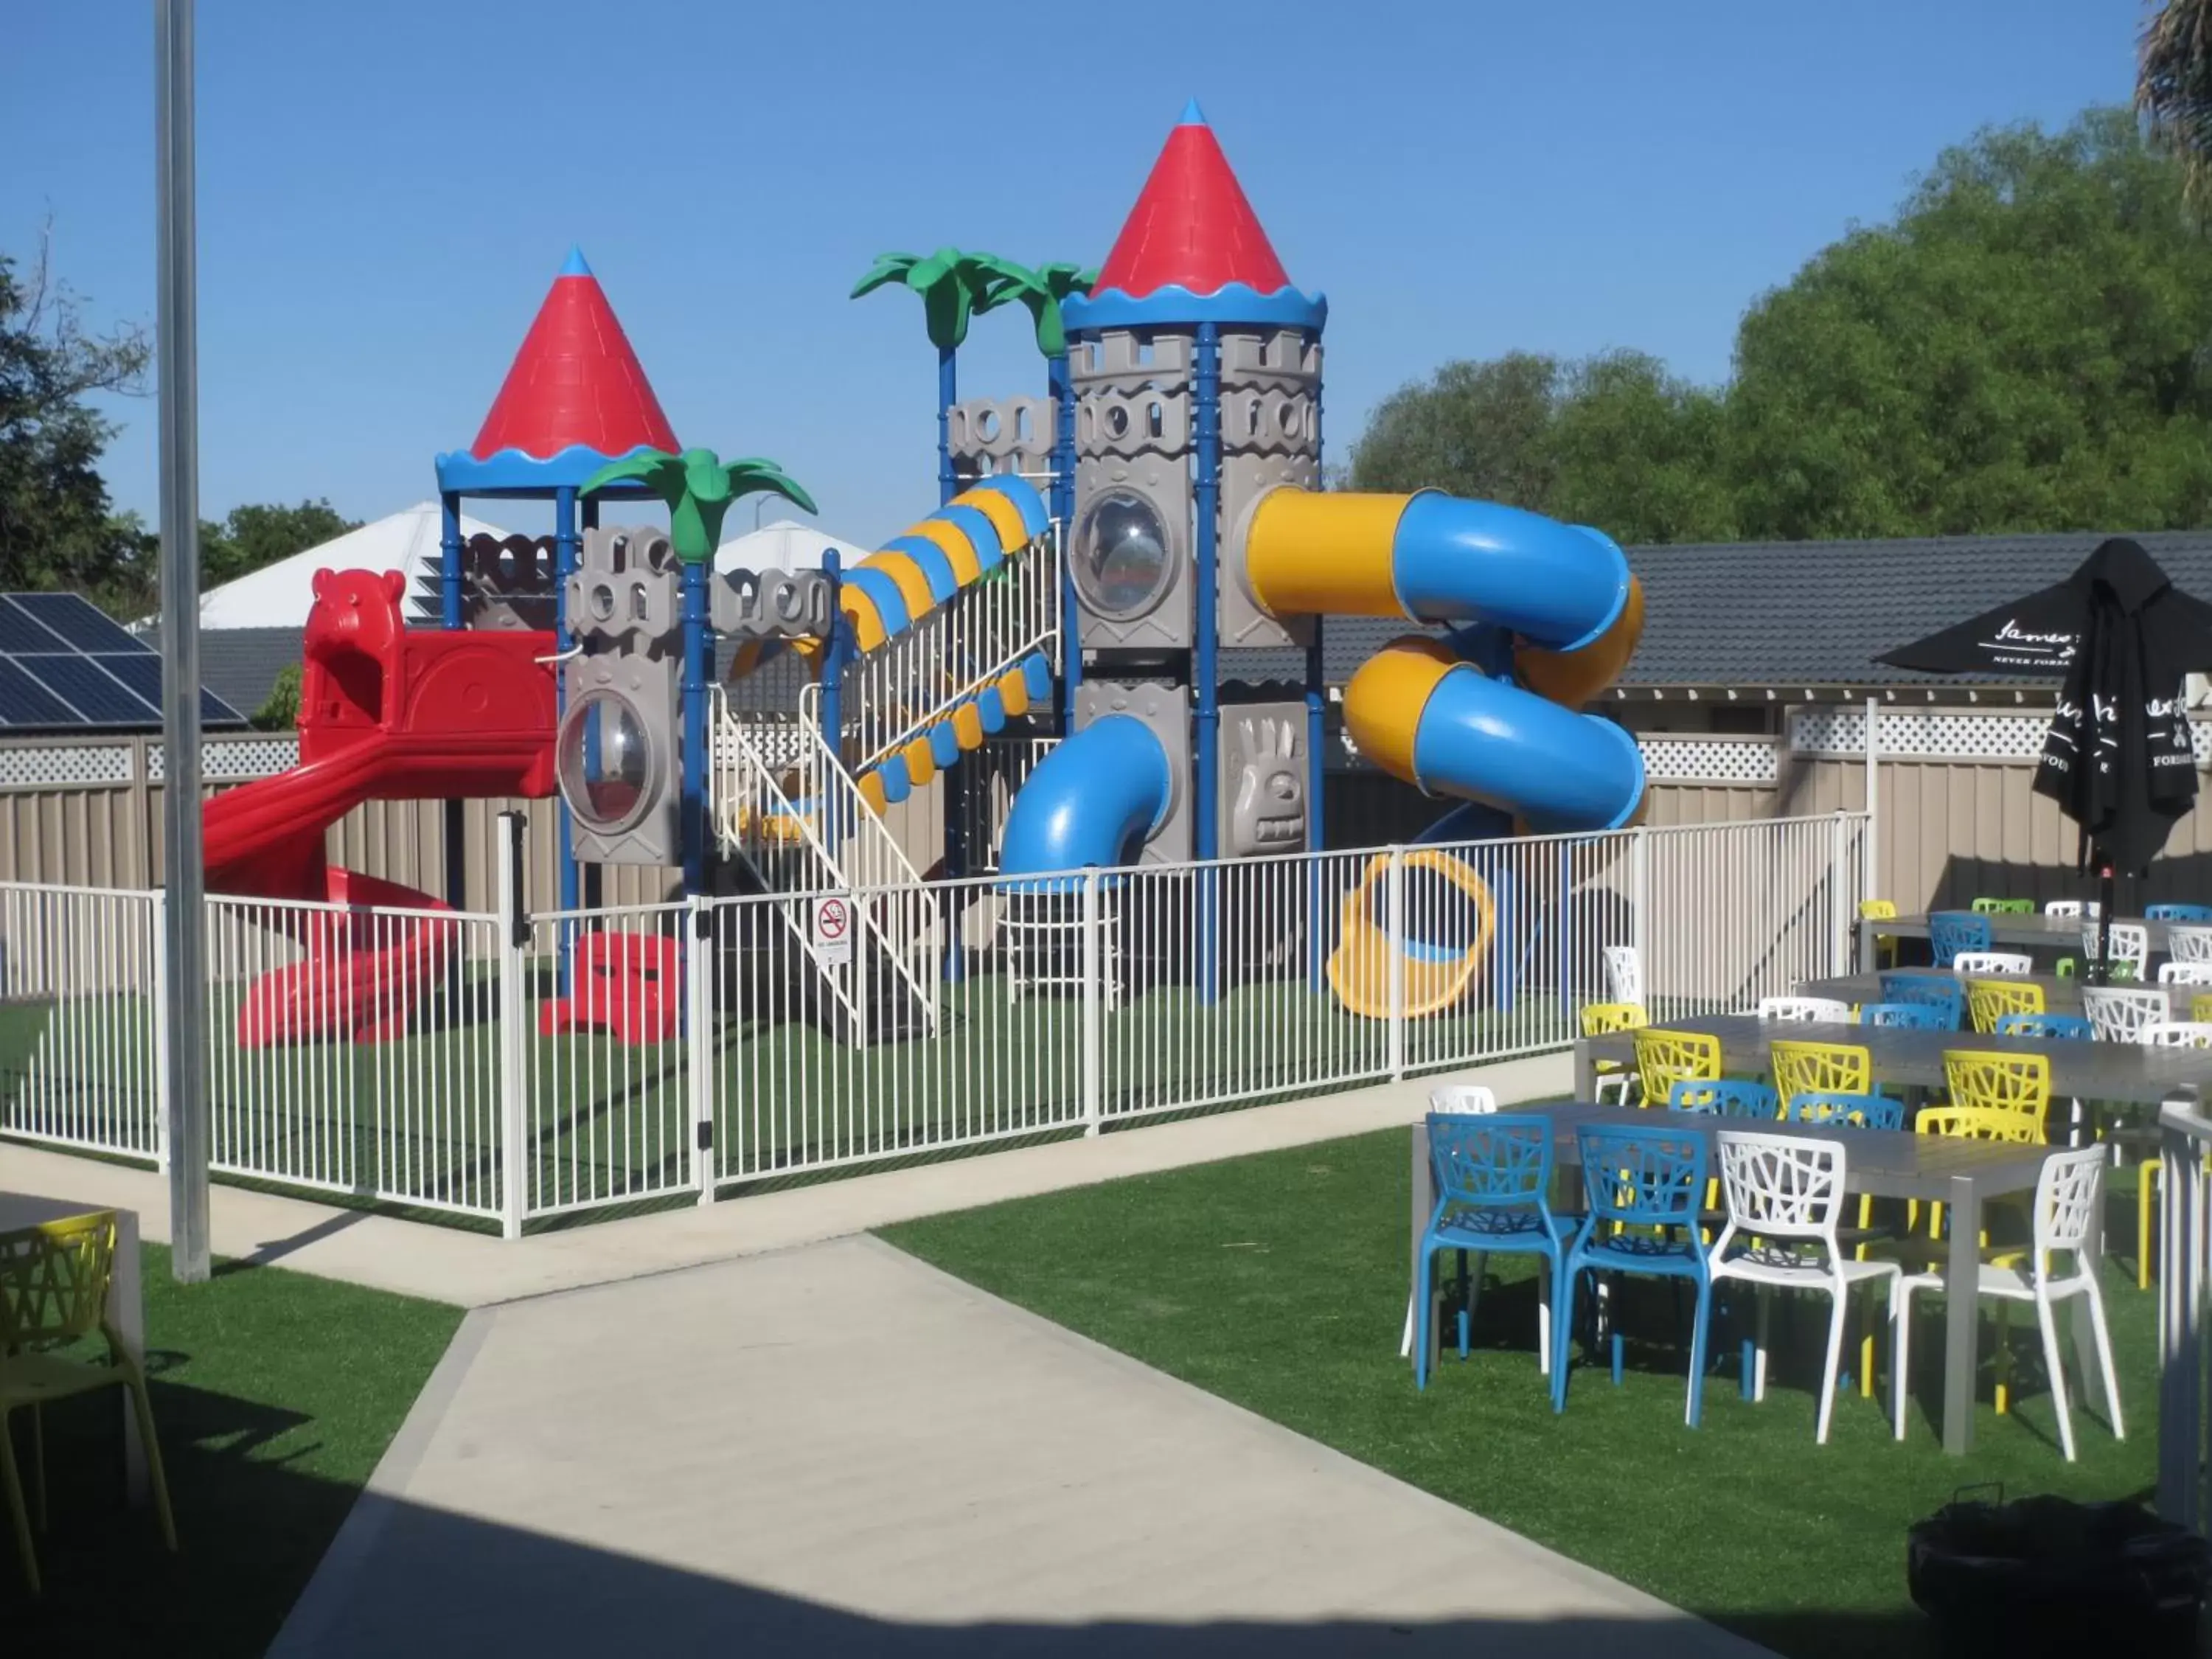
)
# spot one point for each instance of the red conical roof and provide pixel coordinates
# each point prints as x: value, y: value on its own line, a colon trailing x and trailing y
x: 575, y: 382
x: 1192, y: 228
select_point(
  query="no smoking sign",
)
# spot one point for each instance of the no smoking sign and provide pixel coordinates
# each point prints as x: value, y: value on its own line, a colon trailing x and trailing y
x: 833, y: 929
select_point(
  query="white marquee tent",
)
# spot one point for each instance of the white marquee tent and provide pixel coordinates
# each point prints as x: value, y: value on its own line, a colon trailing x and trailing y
x: 784, y: 545
x: 280, y: 595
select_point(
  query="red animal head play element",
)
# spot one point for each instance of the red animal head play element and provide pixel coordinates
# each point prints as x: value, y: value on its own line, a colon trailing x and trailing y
x: 351, y: 649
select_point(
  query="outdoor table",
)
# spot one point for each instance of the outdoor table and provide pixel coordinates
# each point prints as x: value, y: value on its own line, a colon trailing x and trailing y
x: 1883, y: 1163
x: 2062, y: 995
x: 125, y: 1309
x: 2009, y: 930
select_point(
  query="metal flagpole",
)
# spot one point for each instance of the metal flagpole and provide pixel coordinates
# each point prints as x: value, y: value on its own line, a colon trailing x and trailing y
x: 185, y: 947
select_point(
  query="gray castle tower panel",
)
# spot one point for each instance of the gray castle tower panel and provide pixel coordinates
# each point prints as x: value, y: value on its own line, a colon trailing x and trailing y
x: 1270, y: 437
x: 623, y: 593
x: 1263, y: 779
x: 620, y: 767
x: 1132, y: 546
x: 1166, y: 710
x: 994, y: 436
x: 507, y: 582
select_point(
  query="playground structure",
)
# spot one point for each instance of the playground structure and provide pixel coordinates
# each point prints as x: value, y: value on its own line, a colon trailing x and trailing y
x: 1102, y: 564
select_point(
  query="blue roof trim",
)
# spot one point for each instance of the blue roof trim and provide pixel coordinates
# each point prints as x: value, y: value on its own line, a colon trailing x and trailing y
x: 1236, y: 302
x: 1036, y: 519
x: 511, y: 469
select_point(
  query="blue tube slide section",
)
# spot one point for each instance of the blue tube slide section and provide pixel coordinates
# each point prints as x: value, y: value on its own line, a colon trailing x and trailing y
x: 1486, y: 740
x: 1093, y: 801
x: 1456, y: 560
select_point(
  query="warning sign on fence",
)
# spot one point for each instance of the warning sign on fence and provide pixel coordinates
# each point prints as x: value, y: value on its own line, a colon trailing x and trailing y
x: 833, y: 929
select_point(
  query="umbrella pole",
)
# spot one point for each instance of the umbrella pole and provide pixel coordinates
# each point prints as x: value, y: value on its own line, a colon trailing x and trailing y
x: 2100, y: 971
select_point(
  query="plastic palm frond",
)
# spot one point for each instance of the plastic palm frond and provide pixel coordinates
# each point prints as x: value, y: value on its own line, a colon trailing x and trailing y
x: 754, y: 475
x: 888, y: 268
x: 656, y: 469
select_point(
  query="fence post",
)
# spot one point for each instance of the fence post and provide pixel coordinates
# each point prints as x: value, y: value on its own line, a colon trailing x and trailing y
x: 163, y: 1103
x: 2180, y: 1331
x: 1093, y: 1002
x: 1393, y: 932
x: 699, y: 964
x: 1640, y: 933
x: 1839, y: 900
x: 1870, y: 868
x: 514, y: 931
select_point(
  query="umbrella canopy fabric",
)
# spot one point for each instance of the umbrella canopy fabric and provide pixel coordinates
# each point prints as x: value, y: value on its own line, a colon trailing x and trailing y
x: 2118, y: 759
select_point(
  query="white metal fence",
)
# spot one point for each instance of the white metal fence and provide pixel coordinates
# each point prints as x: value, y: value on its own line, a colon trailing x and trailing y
x: 509, y: 1066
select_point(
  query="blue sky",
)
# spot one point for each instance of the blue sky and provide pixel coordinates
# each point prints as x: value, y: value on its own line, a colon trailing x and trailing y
x: 387, y: 189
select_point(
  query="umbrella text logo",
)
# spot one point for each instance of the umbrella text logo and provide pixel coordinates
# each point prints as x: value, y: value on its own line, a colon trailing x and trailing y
x: 2020, y: 648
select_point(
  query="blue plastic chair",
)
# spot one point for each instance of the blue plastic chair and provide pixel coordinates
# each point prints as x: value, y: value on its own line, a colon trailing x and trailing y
x: 1911, y: 1016
x: 1929, y: 991
x: 1644, y: 1187
x: 2070, y: 1028
x: 1724, y: 1096
x: 2178, y: 912
x: 1950, y: 932
x: 1493, y: 1175
x: 1851, y: 1111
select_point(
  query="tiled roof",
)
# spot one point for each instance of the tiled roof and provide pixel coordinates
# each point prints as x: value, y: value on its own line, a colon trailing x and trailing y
x: 241, y: 665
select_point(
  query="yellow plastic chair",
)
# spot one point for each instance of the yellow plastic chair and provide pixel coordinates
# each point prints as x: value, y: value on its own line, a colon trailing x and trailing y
x: 54, y: 1279
x: 1988, y: 1000
x: 1823, y: 1068
x: 1600, y: 1018
x: 1665, y: 1057
x: 1990, y: 1080
x: 1884, y: 944
x: 2200, y: 1006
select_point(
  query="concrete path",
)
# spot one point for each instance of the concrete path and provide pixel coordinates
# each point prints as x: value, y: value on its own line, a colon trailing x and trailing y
x: 838, y: 1450
x: 474, y: 1269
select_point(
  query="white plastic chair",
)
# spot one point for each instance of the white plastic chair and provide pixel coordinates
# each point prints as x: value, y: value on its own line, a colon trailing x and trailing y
x: 1785, y: 1194
x: 2185, y: 973
x: 1805, y: 1008
x: 2069, y: 1197
x: 1623, y: 974
x: 2075, y: 908
x: 1992, y: 962
x: 2187, y: 944
x: 1467, y: 1099
x: 2118, y: 1012
x: 2131, y: 945
x: 2175, y: 1034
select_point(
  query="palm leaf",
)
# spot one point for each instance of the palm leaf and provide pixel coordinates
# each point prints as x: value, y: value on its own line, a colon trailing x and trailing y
x: 754, y: 475
x: 888, y: 268
x: 659, y: 470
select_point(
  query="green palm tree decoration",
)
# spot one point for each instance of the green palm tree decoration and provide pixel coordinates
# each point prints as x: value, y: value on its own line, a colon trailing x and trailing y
x: 1042, y: 290
x: 699, y: 487
x: 2173, y: 90
x: 955, y: 287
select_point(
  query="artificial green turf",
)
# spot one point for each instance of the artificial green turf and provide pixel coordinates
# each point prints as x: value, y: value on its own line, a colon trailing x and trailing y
x: 275, y: 1394
x: 1278, y: 1282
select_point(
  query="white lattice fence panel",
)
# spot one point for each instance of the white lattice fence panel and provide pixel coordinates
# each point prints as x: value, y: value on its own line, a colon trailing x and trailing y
x: 1707, y: 760
x: 74, y: 763
x: 1935, y: 733
x: 229, y: 759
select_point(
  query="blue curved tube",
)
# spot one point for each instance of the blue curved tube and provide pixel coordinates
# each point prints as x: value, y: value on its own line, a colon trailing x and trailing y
x: 1488, y: 741
x: 1559, y: 584
x: 1091, y: 801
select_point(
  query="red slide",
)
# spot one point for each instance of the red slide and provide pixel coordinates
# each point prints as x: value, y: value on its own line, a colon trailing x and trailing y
x: 386, y: 714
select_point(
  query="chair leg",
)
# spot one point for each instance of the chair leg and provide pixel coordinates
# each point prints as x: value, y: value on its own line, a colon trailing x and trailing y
x: 1546, y: 1288
x: 1405, y: 1333
x: 1900, y: 1352
x: 1424, y: 1311
x: 1563, y: 1349
x: 2054, y: 1362
x: 38, y: 1466
x: 1472, y: 1272
x: 2003, y: 1390
x: 1765, y: 1318
x: 26, y: 1550
x: 2147, y: 1184
x: 1836, y: 1314
x: 1702, y: 1318
x: 156, y: 1476
x: 2096, y: 1295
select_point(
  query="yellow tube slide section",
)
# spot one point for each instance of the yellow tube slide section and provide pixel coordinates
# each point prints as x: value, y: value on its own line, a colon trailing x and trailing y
x: 1310, y: 553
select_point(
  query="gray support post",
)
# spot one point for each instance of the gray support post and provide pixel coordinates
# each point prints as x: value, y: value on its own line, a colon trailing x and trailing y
x: 1870, y: 877
x: 183, y: 1013
x: 567, y: 556
x: 1394, y: 890
x: 1093, y: 1006
x: 450, y: 604
x: 514, y: 1034
x: 1204, y: 660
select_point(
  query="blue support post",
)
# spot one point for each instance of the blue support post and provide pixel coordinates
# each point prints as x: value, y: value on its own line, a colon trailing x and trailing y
x: 697, y: 639
x: 833, y: 672
x: 591, y: 882
x: 1060, y: 380
x: 565, y: 557
x: 1317, y: 915
x: 948, y: 393
x: 450, y: 594
x: 1205, y: 657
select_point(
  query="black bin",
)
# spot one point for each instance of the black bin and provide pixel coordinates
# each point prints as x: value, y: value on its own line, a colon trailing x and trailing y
x: 2050, y: 1576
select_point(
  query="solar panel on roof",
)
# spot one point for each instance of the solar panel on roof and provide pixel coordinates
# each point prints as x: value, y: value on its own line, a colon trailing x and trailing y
x: 25, y: 703
x: 142, y: 674
x: 20, y: 633
x: 80, y: 624
x: 95, y: 694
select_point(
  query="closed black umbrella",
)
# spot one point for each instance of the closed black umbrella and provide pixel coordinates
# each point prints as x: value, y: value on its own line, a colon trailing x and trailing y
x: 2118, y: 759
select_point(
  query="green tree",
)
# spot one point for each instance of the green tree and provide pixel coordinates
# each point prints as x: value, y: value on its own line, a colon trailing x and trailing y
x: 2023, y: 348
x: 280, y: 709
x: 2173, y: 90
x: 57, y: 526
x: 699, y: 487
x: 258, y: 535
x: 1474, y: 429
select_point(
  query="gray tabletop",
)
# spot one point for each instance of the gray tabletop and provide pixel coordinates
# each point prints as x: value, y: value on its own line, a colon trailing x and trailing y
x: 2060, y: 933
x: 2118, y: 1072
x: 2062, y: 995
